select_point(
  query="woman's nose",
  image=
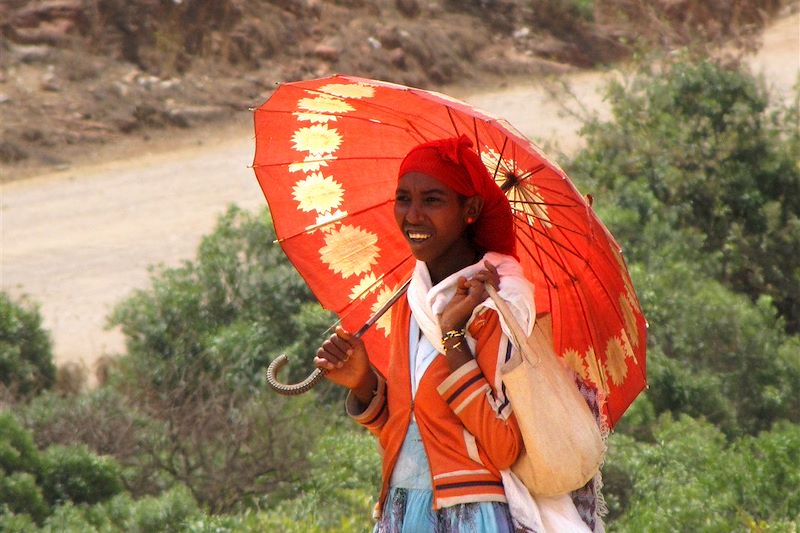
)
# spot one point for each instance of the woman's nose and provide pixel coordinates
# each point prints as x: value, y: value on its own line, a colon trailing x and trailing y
x: 414, y: 213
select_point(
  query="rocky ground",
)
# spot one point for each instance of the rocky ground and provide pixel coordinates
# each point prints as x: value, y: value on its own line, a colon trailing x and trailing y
x: 78, y: 75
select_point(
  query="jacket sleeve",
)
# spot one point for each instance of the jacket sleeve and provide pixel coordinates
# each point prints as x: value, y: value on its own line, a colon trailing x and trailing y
x: 472, y: 393
x: 374, y: 416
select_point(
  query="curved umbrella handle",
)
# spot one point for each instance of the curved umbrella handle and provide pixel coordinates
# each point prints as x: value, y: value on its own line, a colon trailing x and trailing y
x: 291, y: 390
x: 316, y: 376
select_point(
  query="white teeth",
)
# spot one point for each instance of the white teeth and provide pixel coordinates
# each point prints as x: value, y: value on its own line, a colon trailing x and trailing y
x: 418, y: 236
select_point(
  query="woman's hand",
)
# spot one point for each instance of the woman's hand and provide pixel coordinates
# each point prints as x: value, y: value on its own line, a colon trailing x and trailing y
x: 344, y: 357
x: 469, y: 294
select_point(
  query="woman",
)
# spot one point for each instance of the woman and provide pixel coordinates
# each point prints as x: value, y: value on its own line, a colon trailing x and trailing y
x: 447, y: 431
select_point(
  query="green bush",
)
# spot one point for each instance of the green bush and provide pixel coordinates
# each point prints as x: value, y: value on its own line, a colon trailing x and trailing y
x: 694, y: 146
x: 749, y: 484
x: 232, y: 308
x: 18, y: 452
x: 16, y: 523
x: 107, y: 423
x: 171, y: 511
x: 33, y: 483
x: 19, y: 493
x: 26, y: 360
x: 707, y: 344
x: 337, y: 495
x: 77, y: 475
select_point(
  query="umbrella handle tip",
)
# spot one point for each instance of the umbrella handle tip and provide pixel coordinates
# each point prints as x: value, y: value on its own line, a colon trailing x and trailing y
x: 291, y: 389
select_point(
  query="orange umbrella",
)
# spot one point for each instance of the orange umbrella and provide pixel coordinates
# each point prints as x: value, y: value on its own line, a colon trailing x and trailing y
x: 327, y: 156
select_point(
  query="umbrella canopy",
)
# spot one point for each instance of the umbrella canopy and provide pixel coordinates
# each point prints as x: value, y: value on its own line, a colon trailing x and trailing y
x: 327, y: 156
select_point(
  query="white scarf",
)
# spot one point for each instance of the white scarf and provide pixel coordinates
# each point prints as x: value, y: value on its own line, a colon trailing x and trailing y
x: 427, y: 301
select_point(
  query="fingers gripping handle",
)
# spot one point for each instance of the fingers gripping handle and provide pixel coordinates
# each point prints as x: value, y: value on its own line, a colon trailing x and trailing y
x: 291, y: 390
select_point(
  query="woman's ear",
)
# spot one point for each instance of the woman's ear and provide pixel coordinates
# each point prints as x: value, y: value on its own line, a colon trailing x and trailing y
x: 472, y: 208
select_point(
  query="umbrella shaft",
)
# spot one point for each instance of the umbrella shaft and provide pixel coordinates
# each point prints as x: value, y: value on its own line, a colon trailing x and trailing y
x: 379, y: 313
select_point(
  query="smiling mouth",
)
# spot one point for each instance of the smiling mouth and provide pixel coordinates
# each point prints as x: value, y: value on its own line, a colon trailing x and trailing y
x: 417, y: 236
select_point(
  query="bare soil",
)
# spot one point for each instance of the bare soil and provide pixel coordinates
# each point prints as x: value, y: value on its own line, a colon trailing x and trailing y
x: 80, y: 232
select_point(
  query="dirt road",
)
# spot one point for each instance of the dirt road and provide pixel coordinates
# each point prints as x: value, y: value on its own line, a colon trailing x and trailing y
x: 78, y: 241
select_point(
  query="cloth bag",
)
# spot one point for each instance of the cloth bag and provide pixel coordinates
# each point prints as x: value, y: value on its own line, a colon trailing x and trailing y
x: 564, y: 447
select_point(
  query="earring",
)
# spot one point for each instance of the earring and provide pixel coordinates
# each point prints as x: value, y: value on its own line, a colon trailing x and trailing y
x: 470, y: 220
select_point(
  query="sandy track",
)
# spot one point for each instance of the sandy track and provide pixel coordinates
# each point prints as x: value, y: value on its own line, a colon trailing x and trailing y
x: 78, y: 241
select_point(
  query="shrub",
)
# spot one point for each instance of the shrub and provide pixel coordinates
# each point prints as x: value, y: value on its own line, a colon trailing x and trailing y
x: 231, y: 309
x: 26, y: 360
x: 747, y: 484
x: 18, y: 452
x: 694, y: 146
x: 75, y: 474
x: 19, y: 493
x: 707, y: 344
x: 16, y: 523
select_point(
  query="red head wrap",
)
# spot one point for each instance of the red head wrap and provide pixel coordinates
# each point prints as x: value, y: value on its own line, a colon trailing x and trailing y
x: 455, y: 164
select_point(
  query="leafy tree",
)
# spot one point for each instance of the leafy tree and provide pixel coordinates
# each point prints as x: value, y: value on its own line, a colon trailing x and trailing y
x: 233, y: 308
x: 26, y: 360
x: 713, y: 353
x: 32, y: 483
x: 75, y: 474
x: 749, y: 484
x: 694, y: 146
x: 199, y: 340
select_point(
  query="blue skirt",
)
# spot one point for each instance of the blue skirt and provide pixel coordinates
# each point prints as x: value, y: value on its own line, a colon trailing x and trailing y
x: 411, y: 511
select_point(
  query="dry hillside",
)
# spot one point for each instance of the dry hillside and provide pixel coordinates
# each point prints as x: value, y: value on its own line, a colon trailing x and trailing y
x: 76, y: 74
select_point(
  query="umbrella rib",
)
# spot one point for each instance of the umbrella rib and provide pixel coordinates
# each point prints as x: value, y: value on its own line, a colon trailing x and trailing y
x: 559, y: 261
x: 475, y: 132
x: 326, y: 160
x: 334, y: 221
x: 376, y: 283
x: 453, y: 122
x: 524, y: 221
x: 414, y: 127
x: 351, y: 307
x: 348, y: 116
x: 500, y: 157
x: 538, y: 262
x: 542, y: 202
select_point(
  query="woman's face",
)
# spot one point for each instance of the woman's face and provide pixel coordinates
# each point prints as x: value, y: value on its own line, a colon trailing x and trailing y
x: 433, y: 219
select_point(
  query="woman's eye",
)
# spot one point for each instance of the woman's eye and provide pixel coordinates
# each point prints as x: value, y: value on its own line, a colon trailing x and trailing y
x: 401, y: 198
x: 432, y: 200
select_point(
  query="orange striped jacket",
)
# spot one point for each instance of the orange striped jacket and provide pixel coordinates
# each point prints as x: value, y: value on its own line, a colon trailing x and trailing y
x: 466, y: 424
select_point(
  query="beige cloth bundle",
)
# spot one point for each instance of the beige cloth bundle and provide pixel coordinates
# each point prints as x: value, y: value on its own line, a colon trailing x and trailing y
x: 564, y: 447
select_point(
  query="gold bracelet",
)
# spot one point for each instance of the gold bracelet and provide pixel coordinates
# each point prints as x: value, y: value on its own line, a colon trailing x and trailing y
x: 453, y: 334
x: 453, y: 347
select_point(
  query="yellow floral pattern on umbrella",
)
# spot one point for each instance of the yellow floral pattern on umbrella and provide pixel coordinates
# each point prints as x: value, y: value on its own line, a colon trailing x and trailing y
x: 365, y: 286
x: 630, y: 320
x: 616, y: 352
x: 317, y: 140
x: 326, y: 220
x: 629, y: 305
x: 385, y: 322
x: 311, y: 163
x: 574, y: 361
x: 325, y: 104
x: 323, y: 108
x: 595, y: 371
x: 318, y: 193
x: 350, y: 250
x: 348, y: 90
x: 524, y: 197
